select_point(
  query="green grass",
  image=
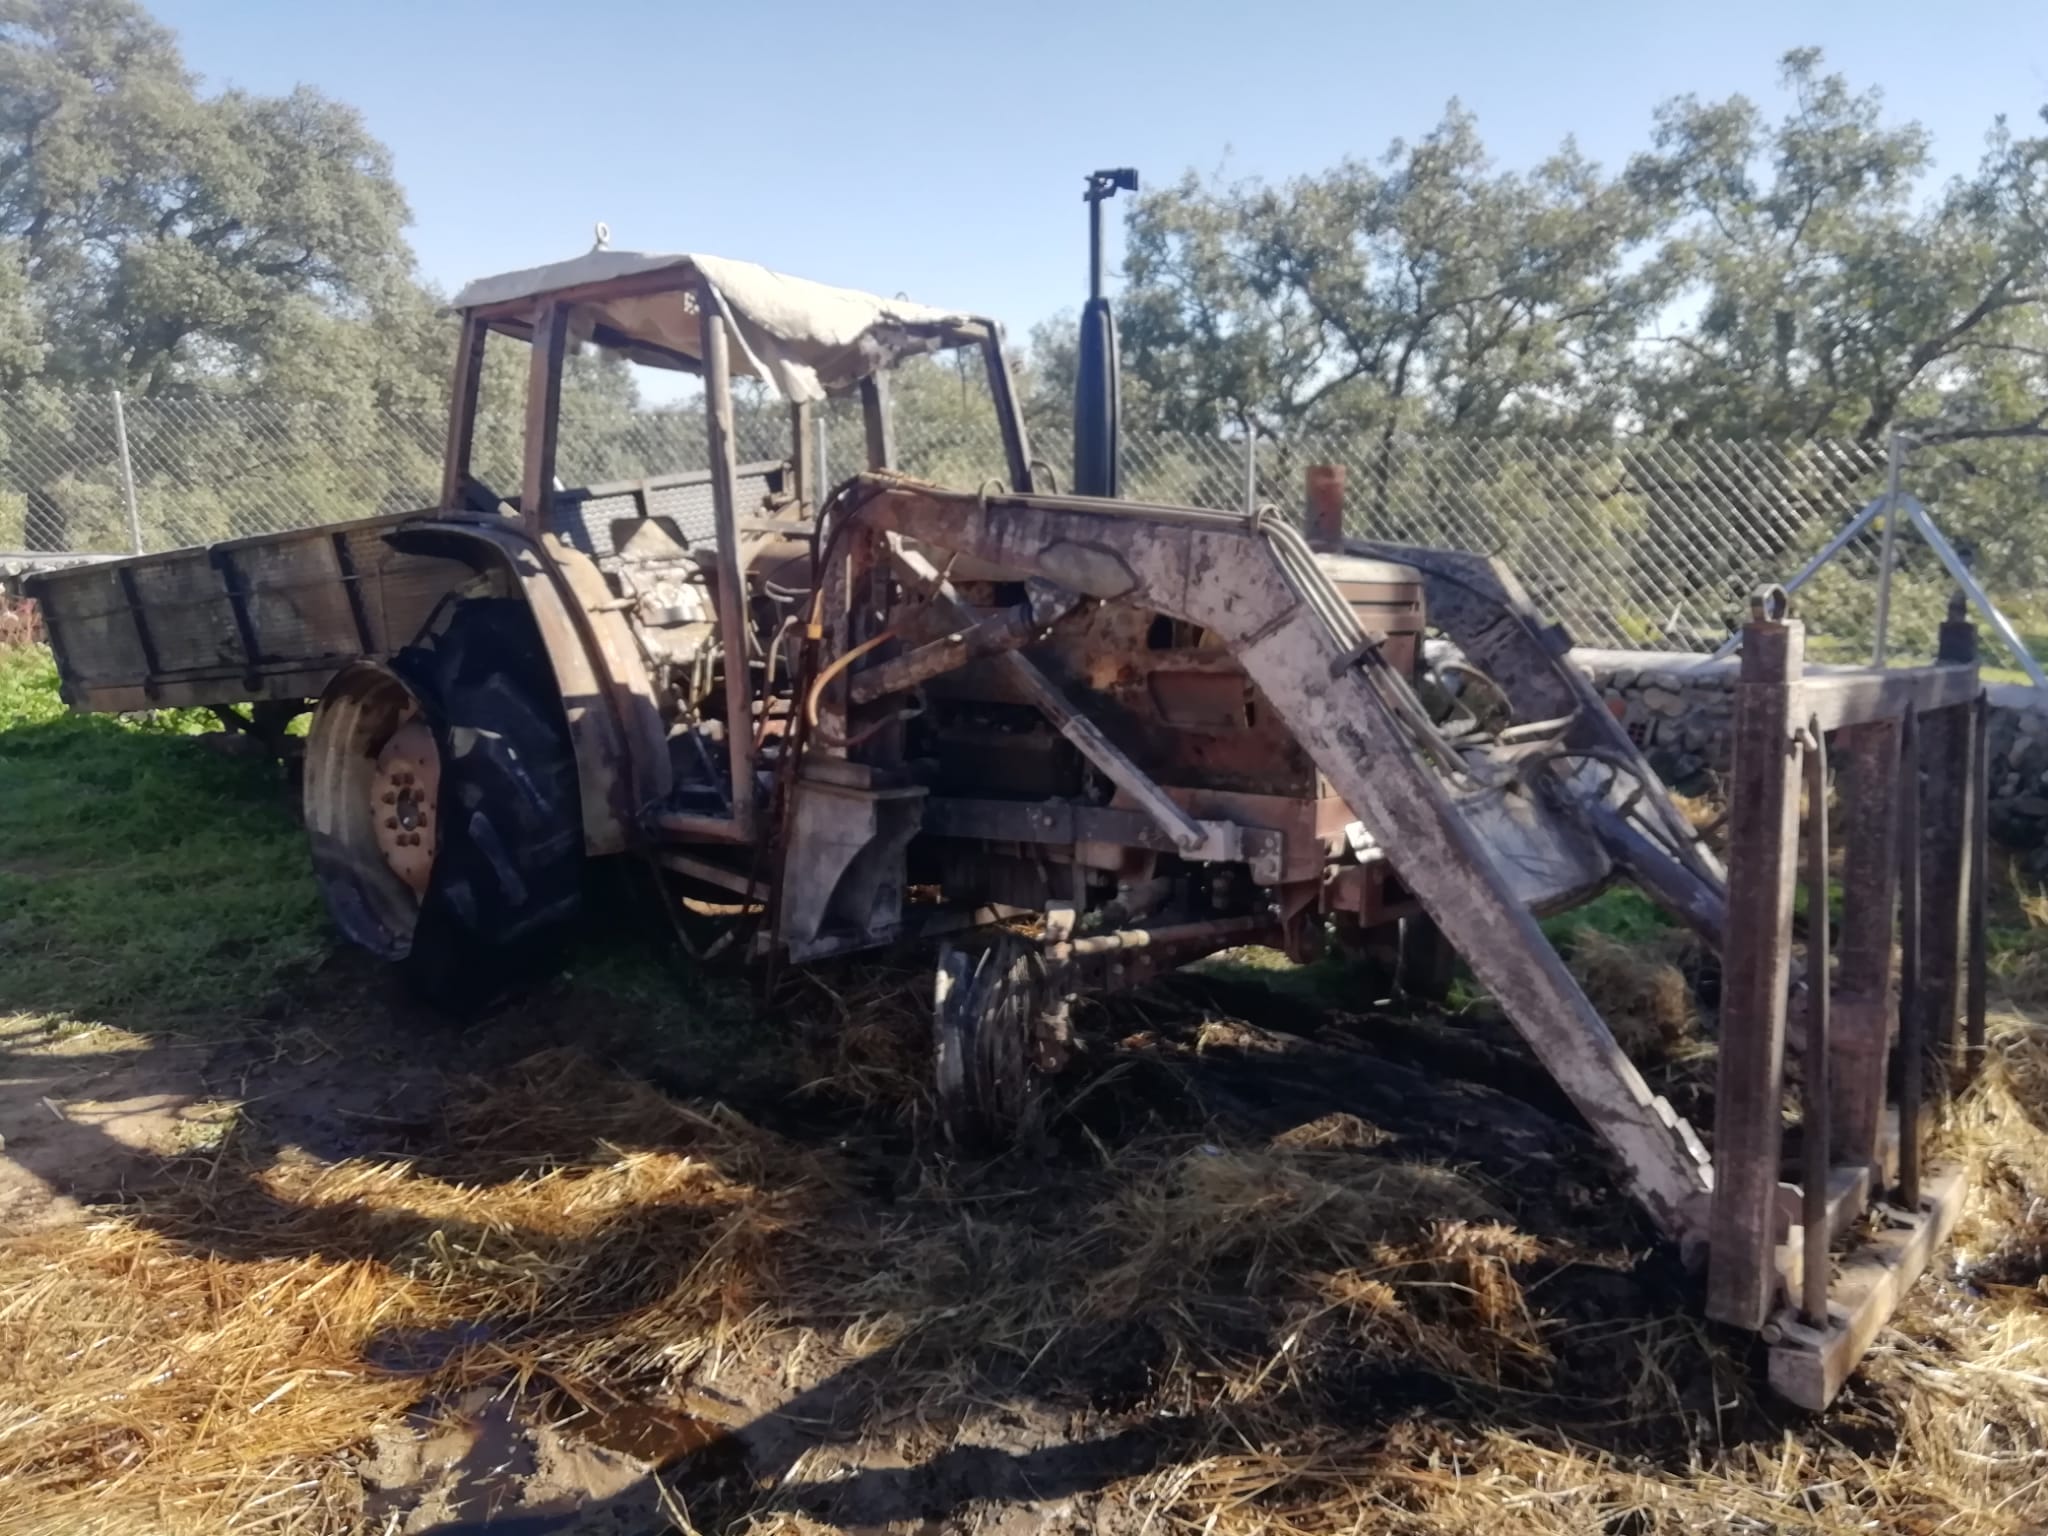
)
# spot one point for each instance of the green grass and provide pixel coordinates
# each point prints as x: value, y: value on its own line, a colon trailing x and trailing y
x: 1622, y: 913
x: 140, y: 874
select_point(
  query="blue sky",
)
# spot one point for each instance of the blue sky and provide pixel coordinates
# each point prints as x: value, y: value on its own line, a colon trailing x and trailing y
x: 938, y: 150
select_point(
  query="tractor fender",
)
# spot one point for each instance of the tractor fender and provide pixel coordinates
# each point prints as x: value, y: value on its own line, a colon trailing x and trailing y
x: 615, y: 727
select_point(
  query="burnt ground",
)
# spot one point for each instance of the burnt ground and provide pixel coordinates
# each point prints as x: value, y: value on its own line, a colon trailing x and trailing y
x: 337, y: 1064
x: 644, y: 1251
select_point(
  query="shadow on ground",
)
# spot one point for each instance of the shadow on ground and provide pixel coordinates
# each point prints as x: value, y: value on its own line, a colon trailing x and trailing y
x: 1048, y: 1418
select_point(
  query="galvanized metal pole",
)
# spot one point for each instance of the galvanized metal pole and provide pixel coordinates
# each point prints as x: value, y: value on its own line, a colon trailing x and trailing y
x: 1251, y: 468
x: 1891, y: 537
x: 127, y: 476
x: 1923, y: 522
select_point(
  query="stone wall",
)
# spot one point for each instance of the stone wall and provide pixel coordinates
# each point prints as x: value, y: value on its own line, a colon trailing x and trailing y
x: 1680, y: 709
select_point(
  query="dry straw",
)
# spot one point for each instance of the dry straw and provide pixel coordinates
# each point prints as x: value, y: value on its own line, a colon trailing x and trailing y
x: 215, y: 1358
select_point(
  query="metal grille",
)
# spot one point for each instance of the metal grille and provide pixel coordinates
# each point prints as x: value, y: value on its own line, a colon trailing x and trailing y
x: 1637, y: 542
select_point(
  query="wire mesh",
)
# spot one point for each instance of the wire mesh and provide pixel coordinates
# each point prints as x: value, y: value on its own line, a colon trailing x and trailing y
x: 1634, y: 542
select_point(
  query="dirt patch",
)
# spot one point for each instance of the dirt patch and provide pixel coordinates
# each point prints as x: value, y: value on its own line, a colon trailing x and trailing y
x: 84, y: 1115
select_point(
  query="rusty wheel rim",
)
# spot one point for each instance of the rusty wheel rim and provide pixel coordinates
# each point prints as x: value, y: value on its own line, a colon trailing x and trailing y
x: 405, y: 803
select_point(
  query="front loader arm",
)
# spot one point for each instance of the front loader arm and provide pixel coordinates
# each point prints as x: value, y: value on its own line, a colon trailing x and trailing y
x: 1242, y: 580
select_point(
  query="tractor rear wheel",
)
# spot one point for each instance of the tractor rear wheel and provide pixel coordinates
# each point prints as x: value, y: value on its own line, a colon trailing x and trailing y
x: 441, y: 796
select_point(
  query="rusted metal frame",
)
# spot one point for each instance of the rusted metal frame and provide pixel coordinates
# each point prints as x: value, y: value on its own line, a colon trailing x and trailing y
x: 1976, y: 922
x: 1912, y: 1039
x: 733, y: 617
x: 1002, y: 389
x: 878, y: 424
x: 352, y: 585
x: 1808, y: 1366
x: 1699, y: 904
x: 608, y: 631
x: 803, y: 471
x: 124, y: 575
x: 1860, y: 1019
x: 185, y: 690
x: 1816, y: 1138
x: 1128, y: 958
x: 856, y: 591
x: 711, y: 873
x: 462, y: 406
x: 1060, y: 822
x: 231, y: 583
x: 543, y: 416
x: 1127, y: 939
x: 1478, y: 602
x: 1837, y: 699
x: 1004, y: 631
x: 1189, y: 835
x: 1756, y: 960
x: 1944, y: 824
x: 1211, y: 569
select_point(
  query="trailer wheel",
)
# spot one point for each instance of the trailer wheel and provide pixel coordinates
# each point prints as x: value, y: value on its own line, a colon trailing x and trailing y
x: 998, y: 1021
x: 441, y: 797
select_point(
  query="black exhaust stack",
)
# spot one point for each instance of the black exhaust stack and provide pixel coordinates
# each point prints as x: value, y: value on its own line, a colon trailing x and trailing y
x: 1098, y: 406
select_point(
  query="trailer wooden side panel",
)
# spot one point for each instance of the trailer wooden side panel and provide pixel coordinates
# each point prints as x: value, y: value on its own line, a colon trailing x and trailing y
x: 274, y: 617
x: 269, y: 618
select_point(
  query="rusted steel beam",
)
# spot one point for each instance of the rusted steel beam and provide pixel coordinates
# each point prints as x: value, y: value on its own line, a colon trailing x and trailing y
x: 1912, y: 1038
x: 1979, y: 889
x: 1005, y: 631
x: 878, y: 422
x: 1698, y: 903
x: 733, y: 617
x: 1478, y: 602
x: 1002, y: 390
x: 462, y: 398
x: 1756, y: 965
x: 1837, y: 699
x: 803, y: 466
x: 1867, y: 770
x: 1809, y: 1365
x: 543, y: 416
x: 1814, y: 1133
x: 1944, y: 823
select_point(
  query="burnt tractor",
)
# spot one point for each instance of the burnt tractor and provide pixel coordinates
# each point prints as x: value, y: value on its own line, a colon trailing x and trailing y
x: 1068, y: 741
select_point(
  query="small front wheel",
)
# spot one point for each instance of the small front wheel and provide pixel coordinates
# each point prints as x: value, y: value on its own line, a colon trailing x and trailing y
x: 999, y: 1019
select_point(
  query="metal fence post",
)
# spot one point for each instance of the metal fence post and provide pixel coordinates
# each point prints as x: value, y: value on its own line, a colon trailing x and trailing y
x: 1894, y: 461
x: 1251, y: 469
x: 127, y: 476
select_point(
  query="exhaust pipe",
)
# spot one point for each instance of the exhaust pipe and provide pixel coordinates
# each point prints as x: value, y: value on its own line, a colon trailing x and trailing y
x: 1098, y: 406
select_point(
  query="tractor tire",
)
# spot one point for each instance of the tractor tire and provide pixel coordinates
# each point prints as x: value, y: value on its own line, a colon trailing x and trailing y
x: 507, y: 879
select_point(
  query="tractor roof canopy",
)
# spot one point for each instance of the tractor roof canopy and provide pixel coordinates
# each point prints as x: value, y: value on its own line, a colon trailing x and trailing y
x: 808, y: 340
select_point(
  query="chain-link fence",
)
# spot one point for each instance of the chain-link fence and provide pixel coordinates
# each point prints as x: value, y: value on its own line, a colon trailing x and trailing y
x: 1632, y: 542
